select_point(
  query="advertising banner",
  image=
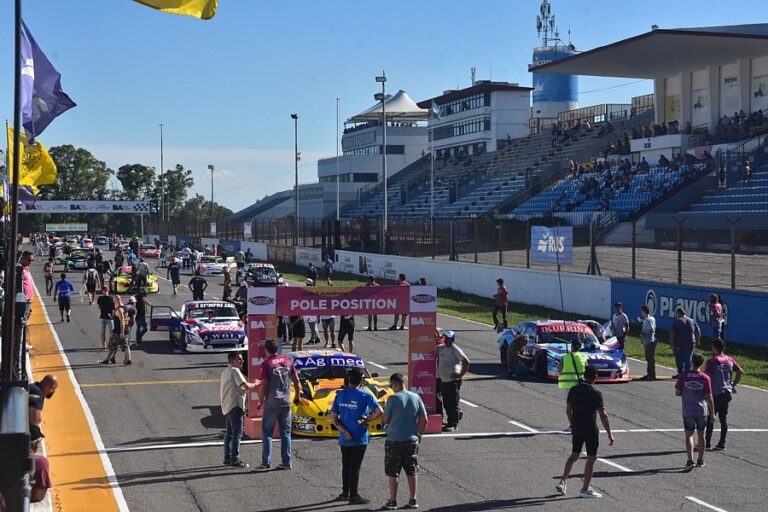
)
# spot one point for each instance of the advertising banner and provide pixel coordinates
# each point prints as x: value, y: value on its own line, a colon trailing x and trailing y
x: 132, y: 207
x: 746, y: 321
x: 331, y: 300
x: 422, y: 360
x: 213, y: 229
x: 552, y: 245
x: 247, y: 230
x: 78, y: 227
x: 307, y: 255
x: 260, y: 329
x: 231, y: 246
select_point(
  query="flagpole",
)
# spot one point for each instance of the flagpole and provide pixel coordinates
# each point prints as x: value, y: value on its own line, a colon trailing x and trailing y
x: 9, y: 326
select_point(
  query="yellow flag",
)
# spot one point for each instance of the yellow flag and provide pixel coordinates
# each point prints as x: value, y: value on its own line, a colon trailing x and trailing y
x: 203, y: 9
x: 36, y: 165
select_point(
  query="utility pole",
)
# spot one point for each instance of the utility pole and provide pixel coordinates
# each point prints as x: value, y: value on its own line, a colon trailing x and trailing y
x: 210, y: 168
x: 162, y: 178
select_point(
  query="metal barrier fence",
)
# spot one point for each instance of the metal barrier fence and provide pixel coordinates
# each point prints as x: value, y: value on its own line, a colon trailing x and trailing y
x: 738, y: 259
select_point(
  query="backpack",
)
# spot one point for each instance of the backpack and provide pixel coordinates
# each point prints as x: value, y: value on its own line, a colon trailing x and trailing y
x: 90, y: 278
x: 130, y: 310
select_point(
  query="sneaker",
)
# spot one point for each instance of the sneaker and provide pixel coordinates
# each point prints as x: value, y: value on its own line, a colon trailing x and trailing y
x: 284, y: 467
x: 719, y: 447
x: 127, y: 362
x: 402, y: 327
x: 342, y: 497
x: 369, y: 328
x: 68, y: 319
x: 412, y: 504
x: 113, y: 361
x: 105, y: 361
x: 674, y: 377
x: 341, y: 347
x: 450, y: 428
x: 689, y: 464
x: 700, y: 463
x: 358, y: 500
x: 239, y: 464
x: 567, y: 429
x: 390, y: 505
x: 590, y: 493
x: 393, y: 328
x: 263, y: 467
x: 561, y: 487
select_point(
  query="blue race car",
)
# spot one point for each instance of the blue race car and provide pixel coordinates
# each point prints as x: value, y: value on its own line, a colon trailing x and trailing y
x: 548, y: 340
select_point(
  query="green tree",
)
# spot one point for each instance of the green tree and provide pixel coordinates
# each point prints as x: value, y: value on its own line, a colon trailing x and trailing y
x: 137, y: 181
x: 199, y: 209
x: 177, y: 183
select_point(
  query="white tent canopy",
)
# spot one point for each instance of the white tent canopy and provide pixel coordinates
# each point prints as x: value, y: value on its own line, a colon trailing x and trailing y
x: 400, y: 107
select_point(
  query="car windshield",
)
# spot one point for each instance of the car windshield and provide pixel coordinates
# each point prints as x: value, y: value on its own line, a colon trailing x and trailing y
x: 218, y: 312
x: 211, y: 259
x: 568, y: 337
x: 315, y: 367
x: 261, y: 272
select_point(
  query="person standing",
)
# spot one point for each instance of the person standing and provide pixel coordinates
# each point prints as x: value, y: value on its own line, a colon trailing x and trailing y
x: 721, y: 369
x: 715, y: 316
x: 130, y: 318
x: 329, y: 330
x: 298, y: 331
x: 501, y: 303
x: 352, y: 410
x: 684, y: 336
x: 277, y: 375
x: 90, y: 282
x: 106, y: 304
x: 401, y: 281
x: 405, y: 418
x: 312, y: 272
x: 347, y: 329
x: 117, y: 340
x: 141, y: 316
x: 63, y: 292
x: 373, y: 320
x: 328, y: 267
x: 570, y: 370
x: 174, y: 274
x: 620, y: 324
x: 186, y: 254
x: 648, y: 340
x: 452, y: 365
x: 48, y: 273
x: 695, y: 388
x: 233, y: 387
x: 198, y: 286
x: 583, y: 404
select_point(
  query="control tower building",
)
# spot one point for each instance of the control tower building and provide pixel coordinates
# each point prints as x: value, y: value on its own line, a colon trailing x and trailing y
x: 552, y: 93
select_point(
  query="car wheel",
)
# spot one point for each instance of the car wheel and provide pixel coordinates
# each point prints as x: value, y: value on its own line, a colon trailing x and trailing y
x: 540, y: 364
x: 503, y: 355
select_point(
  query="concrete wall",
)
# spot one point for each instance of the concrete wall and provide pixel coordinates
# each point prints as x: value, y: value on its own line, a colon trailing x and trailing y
x: 582, y: 294
x: 258, y: 249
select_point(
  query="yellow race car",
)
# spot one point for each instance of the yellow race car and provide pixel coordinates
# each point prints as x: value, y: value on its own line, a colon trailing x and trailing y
x: 321, y: 373
x: 124, y: 282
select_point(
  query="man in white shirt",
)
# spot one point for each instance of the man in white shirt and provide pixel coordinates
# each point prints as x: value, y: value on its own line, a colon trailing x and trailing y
x: 452, y: 364
x: 648, y: 339
x: 620, y: 324
x: 232, y: 390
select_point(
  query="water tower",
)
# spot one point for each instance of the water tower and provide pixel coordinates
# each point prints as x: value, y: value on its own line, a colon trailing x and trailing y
x: 552, y: 93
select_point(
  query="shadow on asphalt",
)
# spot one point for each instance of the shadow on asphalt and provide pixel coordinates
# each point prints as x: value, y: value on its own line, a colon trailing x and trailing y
x: 643, y: 454
x: 645, y: 472
x: 214, y: 419
x: 533, y: 501
x: 173, y: 439
x: 156, y: 477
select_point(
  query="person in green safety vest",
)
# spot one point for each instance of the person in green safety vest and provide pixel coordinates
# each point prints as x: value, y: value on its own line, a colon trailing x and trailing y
x: 570, y: 371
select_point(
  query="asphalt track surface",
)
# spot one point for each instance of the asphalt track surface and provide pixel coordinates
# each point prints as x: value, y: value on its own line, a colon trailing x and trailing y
x: 162, y: 427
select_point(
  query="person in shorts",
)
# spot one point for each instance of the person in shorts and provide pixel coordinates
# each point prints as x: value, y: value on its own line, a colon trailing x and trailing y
x: 63, y: 293
x: 584, y: 403
x: 347, y: 329
x: 695, y: 388
x: 118, y: 340
x: 106, y: 304
x: 329, y: 330
x: 724, y: 373
x: 405, y: 418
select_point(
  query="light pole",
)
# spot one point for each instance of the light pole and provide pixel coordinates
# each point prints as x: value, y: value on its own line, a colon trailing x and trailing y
x: 210, y: 168
x: 295, y: 118
x: 383, y: 97
x: 338, y: 186
x: 162, y: 178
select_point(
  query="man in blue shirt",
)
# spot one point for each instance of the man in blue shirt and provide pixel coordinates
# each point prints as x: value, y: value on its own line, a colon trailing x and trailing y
x: 405, y: 418
x: 352, y: 409
x: 63, y: 292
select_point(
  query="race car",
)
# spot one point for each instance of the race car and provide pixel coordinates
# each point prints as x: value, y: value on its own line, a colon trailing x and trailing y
x: 213, y: 266
x: 86, y: 243
x: 261, y: 275
x: 101, y: 240
x: 549, y: 340
x: 77, y: 260
x: 149, y: 251
x: 321, y: 373
x: 123, y: 282
x: 202, y: 326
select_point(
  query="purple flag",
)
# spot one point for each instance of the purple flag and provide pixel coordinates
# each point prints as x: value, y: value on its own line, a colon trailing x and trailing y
x: 42, y: 99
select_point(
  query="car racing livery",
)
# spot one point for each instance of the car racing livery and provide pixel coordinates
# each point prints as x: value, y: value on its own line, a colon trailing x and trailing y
x: 321, y: 373
x: 549, y: 340
x: 77, y: 260
x: 149, y: 251
x: 203, y: 326
x: 123, y: 282
x: 261, y: 275
x: 213, y: 266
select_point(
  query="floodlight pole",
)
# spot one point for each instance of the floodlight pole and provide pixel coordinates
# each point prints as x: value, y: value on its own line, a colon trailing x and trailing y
x: 162, y: 178
x: 210, y: 168
x: 338, y: 185
x: 382, y: 79
x: 295, y: 118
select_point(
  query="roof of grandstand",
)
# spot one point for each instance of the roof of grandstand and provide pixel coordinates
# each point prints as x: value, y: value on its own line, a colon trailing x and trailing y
x: 400, y: 107
x: 478, y: 88
x: 665, y: 52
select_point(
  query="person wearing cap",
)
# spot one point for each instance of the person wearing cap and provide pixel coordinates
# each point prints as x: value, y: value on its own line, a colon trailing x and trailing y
x: 130, y: 318
x: 353, y: 408
x: 106, y: 304
x: 41, y: 477
x: 452, y: 365
x: 501, y: 302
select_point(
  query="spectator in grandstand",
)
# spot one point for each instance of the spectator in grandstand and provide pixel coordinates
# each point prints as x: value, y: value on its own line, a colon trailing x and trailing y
x: 648, y: 340
x: 746, y: 174
x: 41, y: 476
x: 684, y: 336
x: 715, y: 316
x: 583, y: 405
x: 500, y: 305
x: 620, y: 324
x: 401, y: 281
x: 695, y: 388
x: 721, y: 369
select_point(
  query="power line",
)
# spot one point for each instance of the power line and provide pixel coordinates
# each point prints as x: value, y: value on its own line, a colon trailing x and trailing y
x: 614, y: 86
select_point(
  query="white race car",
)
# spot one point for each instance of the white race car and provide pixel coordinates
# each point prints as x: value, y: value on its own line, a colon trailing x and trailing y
x: 212, y: 266
x: 203, y: 326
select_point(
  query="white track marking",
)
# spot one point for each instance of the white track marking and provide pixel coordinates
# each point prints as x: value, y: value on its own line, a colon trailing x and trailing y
x: 705, y: 504
x: 377, y: 365
x: 617, y: 466
x: 468, y: 403
x: 524, y: 426
x: 122, y: 505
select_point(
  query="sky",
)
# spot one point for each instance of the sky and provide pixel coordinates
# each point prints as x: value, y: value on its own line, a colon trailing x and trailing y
x: 225, y: 88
